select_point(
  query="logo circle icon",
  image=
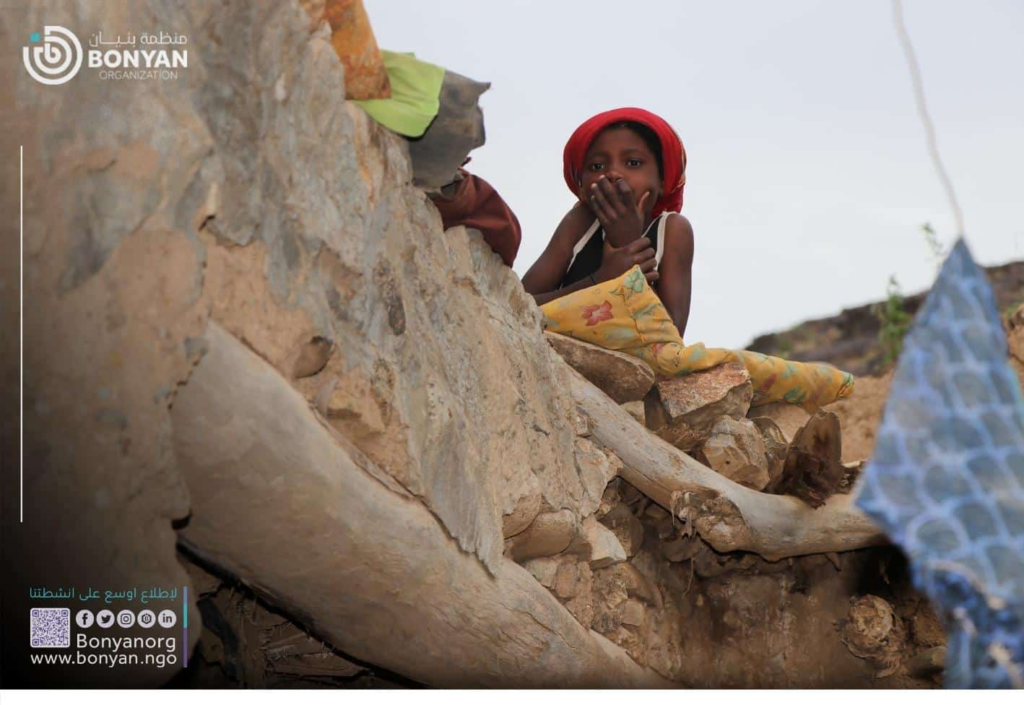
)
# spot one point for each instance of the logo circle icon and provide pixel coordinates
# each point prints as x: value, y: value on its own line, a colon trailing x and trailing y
x: 167, y: 618
x: 57, y: 60
x: 84, y: 619
x: 126, y: 618
x: 147, y: 618
x: 105, y: 618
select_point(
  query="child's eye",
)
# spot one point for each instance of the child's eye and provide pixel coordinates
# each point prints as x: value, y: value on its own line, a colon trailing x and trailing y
x: 596, y: 166
x: 633, y: 162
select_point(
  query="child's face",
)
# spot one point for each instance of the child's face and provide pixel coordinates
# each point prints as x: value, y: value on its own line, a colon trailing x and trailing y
x: 621, y: 153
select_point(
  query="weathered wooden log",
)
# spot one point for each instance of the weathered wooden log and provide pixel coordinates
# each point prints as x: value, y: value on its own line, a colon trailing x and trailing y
x: 279, y: 503
x: 813, y: 469
x: 728, y: 516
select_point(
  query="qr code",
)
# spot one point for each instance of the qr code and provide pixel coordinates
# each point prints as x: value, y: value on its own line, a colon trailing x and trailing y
x: 50, y: 628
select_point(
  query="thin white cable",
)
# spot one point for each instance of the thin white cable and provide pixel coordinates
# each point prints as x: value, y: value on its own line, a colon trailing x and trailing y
x: 922, y: 109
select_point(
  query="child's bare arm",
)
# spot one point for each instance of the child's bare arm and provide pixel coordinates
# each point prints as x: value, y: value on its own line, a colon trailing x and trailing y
x: 674, y: 285
x: 544, y: 276
x: 551, y: 266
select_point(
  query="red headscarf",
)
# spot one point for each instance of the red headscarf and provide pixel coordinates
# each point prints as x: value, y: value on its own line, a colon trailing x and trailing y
x: 673, y: 155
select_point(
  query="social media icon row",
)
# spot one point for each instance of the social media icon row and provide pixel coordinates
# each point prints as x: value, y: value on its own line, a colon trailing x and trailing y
x: 126, y: 619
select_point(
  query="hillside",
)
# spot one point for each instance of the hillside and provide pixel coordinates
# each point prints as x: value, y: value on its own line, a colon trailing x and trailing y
x: 850, y: 339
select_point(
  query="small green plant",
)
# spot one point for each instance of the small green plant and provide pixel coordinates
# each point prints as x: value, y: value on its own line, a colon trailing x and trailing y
x: 1011, y: 309
x: 938, y: 250
x: 784, y: 346
x: 895, y: 322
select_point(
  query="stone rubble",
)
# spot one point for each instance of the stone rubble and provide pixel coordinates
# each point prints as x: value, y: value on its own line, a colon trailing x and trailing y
x: 737, y: 451
x: 597, y: 544
x: 775, y: 446
x: 789, y: 418
x: 873, y: 631
x: 626, y: 527
x: 683, y: 410
x: 778, y: 448
x: 632, y: 571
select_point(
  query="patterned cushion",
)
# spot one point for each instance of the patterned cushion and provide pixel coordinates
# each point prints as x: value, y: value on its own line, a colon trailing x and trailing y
x: 625, y: 314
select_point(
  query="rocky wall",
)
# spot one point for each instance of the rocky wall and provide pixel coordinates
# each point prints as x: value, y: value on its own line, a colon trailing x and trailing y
x: 247, y: 191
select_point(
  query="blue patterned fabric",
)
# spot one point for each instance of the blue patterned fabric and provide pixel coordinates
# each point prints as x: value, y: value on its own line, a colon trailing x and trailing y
x: 946, y: 481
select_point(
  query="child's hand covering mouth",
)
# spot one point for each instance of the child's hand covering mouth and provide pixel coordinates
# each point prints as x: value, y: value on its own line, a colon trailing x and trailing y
x: 617, y: 180
x: 620, y: 214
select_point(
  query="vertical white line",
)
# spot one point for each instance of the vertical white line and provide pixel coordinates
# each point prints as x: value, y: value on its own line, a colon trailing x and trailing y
x: 922, y: 109
x: 21, y: 336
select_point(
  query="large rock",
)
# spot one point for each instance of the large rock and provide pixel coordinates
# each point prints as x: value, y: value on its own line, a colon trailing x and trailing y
x: 248, y: 192
x: 549, y: 534
x: 789, y: 418
x: 607, y: 550
x: 543, y: 569
x: 575, y: 582
x: 597, y: 544
x: 319, y: 233
x: 626, y: 580
x: 736, y: 450
x: 684, y: 409
x: 873, y: 631
x: 775, y: 446
x: 528, y: 501
x: 626, y: 527
x: 622, y: 377
x: 597, y: 468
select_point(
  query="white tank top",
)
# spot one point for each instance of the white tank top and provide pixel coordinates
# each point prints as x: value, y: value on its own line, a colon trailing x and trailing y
x: 659, y: 249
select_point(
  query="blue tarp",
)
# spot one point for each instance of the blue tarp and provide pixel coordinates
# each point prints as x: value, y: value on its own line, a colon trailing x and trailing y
x: 946, y: 481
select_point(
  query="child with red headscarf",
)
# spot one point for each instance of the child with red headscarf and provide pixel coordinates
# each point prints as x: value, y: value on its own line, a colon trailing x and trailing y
x: 628, y: 169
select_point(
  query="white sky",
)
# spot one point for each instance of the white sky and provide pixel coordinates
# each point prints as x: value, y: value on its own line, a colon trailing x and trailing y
x: 808, y: 176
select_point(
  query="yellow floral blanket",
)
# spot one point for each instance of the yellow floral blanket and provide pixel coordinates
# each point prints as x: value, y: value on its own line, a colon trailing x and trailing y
x: 626, y: 315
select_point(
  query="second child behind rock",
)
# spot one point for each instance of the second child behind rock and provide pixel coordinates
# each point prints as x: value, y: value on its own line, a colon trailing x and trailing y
x: 628, y: 169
